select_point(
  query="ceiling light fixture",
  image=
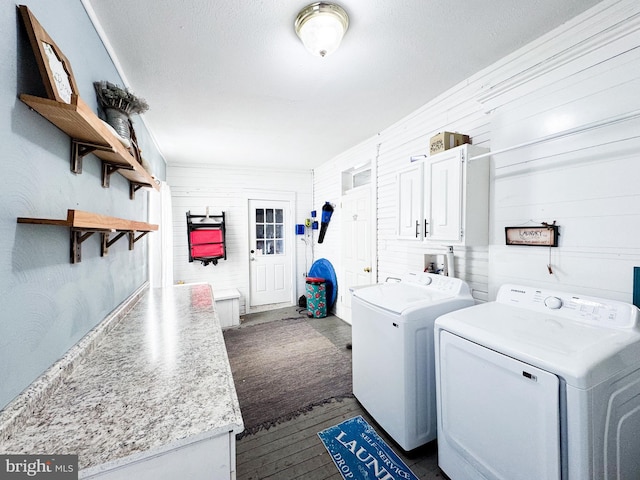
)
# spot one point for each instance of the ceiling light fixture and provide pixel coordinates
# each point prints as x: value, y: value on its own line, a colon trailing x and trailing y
x: 321, y: 27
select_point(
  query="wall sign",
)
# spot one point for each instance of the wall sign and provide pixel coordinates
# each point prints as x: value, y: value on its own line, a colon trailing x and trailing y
x: 53, y: 65
x: 543, y: 236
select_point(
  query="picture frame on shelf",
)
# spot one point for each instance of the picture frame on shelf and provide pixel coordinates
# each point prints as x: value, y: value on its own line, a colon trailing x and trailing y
x: 55, y: 69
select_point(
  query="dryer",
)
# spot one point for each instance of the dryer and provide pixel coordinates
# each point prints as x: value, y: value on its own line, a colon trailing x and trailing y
x: 539, y: 384
x: 393, y: 358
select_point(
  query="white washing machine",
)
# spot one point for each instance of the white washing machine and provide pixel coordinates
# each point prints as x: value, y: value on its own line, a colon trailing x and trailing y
x: 393, y: 359
x: 539, y: 385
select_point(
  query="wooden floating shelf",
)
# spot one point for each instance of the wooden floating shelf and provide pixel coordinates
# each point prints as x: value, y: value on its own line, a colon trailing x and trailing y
x: 85, y: 224
x: 90, y: 135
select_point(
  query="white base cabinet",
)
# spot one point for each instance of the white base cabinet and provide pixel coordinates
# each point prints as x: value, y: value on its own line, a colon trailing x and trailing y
x: 212, y: 458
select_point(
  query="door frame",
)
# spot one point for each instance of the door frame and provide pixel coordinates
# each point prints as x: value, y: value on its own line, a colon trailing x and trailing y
x: 371, y: 164
x: 281, y: 196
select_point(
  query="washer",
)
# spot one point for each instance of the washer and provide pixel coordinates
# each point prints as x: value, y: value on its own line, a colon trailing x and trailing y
x: 393, y: 359
x: 539, y: 384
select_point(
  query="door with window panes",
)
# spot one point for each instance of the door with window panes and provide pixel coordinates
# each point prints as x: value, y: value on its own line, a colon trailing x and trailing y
x: 271, y: 253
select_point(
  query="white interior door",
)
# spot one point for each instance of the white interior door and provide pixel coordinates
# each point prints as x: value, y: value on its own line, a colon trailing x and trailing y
x: 356, y: 244
x: 270, y: 252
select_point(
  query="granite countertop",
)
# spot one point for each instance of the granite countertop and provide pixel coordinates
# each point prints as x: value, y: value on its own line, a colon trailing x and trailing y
x: 158, y: 380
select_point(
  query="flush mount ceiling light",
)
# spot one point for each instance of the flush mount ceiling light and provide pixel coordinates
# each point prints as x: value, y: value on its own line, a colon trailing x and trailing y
x: 321, y: 27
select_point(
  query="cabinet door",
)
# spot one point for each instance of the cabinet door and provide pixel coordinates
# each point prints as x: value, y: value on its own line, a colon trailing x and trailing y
x: 443, y: 196
x: 410, y: 202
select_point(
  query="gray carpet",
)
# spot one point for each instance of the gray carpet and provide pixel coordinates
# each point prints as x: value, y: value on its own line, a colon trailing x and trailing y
x: 283, y: 368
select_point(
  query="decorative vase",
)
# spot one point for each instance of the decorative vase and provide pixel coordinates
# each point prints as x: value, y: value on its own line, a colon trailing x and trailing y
x: 119, y: 121
x: 119, y: 104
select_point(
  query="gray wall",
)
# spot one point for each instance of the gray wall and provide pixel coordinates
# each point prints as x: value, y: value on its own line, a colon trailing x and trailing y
x: 46, y: 303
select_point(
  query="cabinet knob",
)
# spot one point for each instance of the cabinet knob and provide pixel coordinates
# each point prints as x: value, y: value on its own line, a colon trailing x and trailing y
x: 367, y: 269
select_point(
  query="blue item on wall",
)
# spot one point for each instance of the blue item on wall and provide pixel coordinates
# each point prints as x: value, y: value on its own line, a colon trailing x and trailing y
x: 322, y: 268
x: 299, y: 229
x: 327, y: 211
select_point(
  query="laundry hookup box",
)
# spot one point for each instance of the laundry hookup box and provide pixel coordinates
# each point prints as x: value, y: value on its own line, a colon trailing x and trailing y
x: 446, y: 140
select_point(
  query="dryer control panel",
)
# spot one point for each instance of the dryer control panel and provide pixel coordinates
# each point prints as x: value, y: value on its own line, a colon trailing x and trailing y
x: 582, y: 308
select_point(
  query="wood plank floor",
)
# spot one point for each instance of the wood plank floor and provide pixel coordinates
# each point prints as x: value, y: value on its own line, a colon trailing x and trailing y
x: 293, y: 450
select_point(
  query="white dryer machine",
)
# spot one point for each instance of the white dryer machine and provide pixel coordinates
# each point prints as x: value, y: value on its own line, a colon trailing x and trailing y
x: 539, y: 385
x: 393, y: 358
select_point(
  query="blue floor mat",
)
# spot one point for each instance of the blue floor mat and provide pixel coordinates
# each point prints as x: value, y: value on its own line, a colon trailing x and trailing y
x: 359, y: 453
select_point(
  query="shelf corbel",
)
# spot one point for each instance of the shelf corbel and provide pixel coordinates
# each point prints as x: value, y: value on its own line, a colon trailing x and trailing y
x: 108, y: 169
x: 135, y: 186
x: 77, y: 237
x: 106, y: 242
x: 133, y: 239
x: 80, y: 149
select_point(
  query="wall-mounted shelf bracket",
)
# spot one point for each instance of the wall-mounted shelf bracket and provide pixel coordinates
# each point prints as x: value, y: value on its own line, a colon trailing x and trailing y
x: 80, y: 149
x: 77, y: 237
x: 135, y: 186
x: 133, y: 239
x: 106, y: 242
x: 110, y: 168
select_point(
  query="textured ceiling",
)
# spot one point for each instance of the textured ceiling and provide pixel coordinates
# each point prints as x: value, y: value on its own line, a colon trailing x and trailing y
x: 229, y: 83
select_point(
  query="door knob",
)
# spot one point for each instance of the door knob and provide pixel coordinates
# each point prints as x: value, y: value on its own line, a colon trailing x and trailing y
x: 367, y: 269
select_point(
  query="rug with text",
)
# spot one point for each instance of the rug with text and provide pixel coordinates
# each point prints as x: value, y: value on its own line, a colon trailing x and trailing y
x: 360, y: 454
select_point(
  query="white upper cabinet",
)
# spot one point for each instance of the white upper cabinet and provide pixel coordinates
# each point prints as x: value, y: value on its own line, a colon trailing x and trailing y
x: 456, y: 197
x: 410, y: 217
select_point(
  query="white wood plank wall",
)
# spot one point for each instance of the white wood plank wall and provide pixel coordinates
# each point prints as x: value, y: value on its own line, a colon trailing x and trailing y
x: 223, y: 188
x: 585, y: 79
x: 585, y: 72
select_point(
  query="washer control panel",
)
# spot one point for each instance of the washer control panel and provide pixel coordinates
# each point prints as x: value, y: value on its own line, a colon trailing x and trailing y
x: 582, y: 308
x: 433, y: 281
